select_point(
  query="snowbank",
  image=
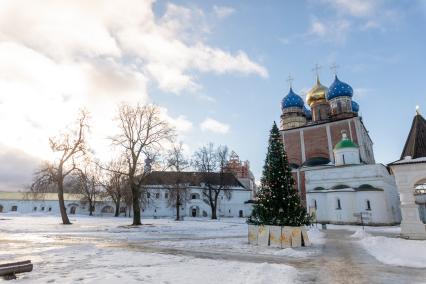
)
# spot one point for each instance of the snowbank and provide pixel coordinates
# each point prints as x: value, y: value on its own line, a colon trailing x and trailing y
x: 393, y: 251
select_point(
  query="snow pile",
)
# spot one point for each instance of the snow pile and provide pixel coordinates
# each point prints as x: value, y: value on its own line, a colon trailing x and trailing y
x: 394, y: 251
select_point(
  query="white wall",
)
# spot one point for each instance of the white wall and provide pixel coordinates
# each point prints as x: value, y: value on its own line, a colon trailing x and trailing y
x: 384, y: 204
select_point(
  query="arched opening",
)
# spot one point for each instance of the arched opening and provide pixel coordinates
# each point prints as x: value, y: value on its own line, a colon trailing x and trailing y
x: 194, y: 211
x: 72, y: 210
x: 1, y: 208
x: 420, y: 198
x: 107, y: 209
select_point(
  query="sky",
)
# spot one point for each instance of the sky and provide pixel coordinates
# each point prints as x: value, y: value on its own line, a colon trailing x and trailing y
x: 217, y: 69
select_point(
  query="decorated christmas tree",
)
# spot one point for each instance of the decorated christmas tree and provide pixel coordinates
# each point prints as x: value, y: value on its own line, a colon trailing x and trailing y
x: 278, y: 203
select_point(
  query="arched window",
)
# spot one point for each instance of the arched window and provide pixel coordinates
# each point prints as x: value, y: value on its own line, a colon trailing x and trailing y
x: 35, y: 208
x: 339, y: 205
x: 315, y: 205
x: 420, y: 188
x: 367, y: 205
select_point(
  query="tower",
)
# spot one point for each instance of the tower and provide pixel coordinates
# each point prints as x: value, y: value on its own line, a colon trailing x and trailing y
x: 339, y: 97
x: 293, y: 111
x: 317, y: 101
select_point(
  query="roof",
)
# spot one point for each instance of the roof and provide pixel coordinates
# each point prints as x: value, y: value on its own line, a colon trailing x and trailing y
x: 345, y: 143
x: 191, y: 178
x: 5, y: 195
x: 415, y: 146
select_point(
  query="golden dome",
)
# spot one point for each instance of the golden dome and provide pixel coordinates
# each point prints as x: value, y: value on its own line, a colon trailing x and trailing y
x: 317, y: 94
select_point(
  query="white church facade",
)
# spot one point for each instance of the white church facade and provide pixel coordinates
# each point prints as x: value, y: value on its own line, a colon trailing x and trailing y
x: 347, y: 191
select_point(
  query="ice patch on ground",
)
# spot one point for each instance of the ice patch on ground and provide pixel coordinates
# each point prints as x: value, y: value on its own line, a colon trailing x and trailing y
x: 360, y: 234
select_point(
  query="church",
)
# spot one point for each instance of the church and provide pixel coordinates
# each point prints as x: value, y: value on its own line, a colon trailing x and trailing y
x: 331, y: 156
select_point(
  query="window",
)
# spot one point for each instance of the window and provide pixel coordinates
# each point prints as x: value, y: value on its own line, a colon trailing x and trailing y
x: 315, y: 204
x: 50, y: 209
x: 368, y: 205
x: 35, y: 208
x: 157, y: 195
x: 339, y: 205
x: 166, y: 195
x: 229, y: 210
x: 148, y: 195
x: 42, y: 208
x: 193, y: 196
x: 14, y: 208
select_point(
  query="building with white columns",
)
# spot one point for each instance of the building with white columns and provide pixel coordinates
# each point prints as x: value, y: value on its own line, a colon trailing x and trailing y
x: 410, y: 175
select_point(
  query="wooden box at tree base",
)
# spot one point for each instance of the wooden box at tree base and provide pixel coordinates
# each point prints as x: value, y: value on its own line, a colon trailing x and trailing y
x: 252, y: 234
x: 305, y: 237
x: 275, y: 236
x: 296, y: 237
x: 279, y: 237
x: 286, y: 237
x: 263, y: 236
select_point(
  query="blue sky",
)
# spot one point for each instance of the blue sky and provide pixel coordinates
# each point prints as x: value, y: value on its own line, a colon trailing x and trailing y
x: 383, y: 62
x: 218, y: 69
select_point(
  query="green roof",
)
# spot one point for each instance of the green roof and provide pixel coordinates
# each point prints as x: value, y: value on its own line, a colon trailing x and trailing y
x: 345, y: 143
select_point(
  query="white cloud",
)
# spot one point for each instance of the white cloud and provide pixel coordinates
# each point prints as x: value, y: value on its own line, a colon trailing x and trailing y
x: 223, y: 11
x: 60, y: 55
x: 214, y: 126
x: 330, y: 30
x: 356, y: 8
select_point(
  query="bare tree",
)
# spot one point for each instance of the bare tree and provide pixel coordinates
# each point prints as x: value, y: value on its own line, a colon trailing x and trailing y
x: 68, y: 148
x: 178, y: 188
x: 89, y: 184
x: 210, y: 162
x: 115, y: 183
x: 142, y: 131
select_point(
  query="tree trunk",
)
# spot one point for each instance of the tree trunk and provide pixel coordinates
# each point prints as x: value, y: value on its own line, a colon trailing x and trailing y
x: 214, y: 215
x: 90, y: 208
x: 136, y: 206
x: 178, y: 207
x: 117, y: 208
x: 62, y: 207
x: 178, y: 212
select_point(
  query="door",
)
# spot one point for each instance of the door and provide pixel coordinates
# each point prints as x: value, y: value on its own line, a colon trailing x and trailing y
x: 72, y: 210
x: 194, y: 212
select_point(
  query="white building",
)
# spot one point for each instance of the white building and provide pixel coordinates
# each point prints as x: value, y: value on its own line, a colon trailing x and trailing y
x: 343, y: 192
x: 232, y: 201
x: 47, y: 203
x: 410, y: 174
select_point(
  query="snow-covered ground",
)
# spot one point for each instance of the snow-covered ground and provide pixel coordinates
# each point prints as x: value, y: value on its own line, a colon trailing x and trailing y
x: 107, y: 250
x: 95, y: 249
x: 393, y: 251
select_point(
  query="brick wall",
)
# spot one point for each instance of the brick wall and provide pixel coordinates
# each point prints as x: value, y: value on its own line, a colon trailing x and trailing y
x: 316, y: 142
x: 293, y: 147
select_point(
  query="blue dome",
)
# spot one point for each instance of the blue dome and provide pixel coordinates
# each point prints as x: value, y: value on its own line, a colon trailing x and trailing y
x: 292, y: 100
x: 355, y: 106
x: 339, y: 89
x: 307, y: 112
